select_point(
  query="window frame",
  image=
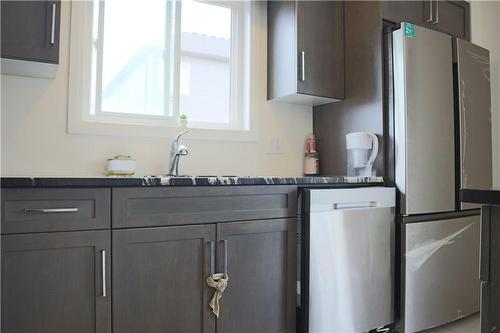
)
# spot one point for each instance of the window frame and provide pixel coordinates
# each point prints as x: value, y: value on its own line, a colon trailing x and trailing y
x: 242, y: 125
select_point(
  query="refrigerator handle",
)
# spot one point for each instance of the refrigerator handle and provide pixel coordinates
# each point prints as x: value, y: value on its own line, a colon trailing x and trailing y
x: 437, y: 13
x: 430, y: 13
x: 484, y: 253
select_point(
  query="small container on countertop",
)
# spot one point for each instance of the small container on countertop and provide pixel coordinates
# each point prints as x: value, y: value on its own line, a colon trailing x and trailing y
x: 120, y: 165
x: 311, y: 164
x: 311, y: 157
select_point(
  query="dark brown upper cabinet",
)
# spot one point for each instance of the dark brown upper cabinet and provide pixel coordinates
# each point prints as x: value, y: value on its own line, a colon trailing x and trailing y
x: 305, y: 51
x: 451, y: 17
x: 30, y: 32
x: 405, y: 11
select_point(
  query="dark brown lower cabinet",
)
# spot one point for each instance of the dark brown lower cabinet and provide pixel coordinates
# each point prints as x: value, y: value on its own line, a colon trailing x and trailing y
x: 261, y: 265
x: 53, y: 282
x: 148, y: 279
x: 159, y: 279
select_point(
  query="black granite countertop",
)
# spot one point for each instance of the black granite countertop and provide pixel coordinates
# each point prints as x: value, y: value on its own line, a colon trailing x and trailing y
x: 182, y: 181
x: 481, y: 196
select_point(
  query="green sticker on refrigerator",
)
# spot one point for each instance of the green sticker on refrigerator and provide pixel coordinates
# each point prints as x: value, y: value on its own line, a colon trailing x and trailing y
x: 409, y: 30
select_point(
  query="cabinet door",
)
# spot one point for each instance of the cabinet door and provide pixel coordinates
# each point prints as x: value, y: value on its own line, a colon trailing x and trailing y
x: 53, y: 282
x: 261, y: 261
x: 452, y: 17
x: 320, y: 43
x: 30, y: 30
x: 159, y: 280
x: 405, y: 11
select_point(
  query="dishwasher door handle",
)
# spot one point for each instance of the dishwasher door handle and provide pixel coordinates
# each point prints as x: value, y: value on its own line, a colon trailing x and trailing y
x: 353, y: 205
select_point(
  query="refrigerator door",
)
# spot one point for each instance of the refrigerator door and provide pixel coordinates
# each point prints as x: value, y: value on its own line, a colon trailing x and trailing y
x: 424, y: 120
x: 440, y: 271
x: 474, y: 108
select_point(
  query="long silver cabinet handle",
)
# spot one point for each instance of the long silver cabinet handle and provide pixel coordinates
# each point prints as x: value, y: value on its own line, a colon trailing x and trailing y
x: 484, y: 252
x: 212, y: 257
x: 51, y: 210
x: 225, y: 256
x: 430, y: 17
x: 103, y: 272
x: 302, y: 65
x: 53, y: 25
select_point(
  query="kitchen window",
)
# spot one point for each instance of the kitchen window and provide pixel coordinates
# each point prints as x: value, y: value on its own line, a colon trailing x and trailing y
x: 143, y: 64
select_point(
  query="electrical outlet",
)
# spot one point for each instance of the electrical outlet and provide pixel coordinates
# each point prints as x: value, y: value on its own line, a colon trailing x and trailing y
x: 275, y: 146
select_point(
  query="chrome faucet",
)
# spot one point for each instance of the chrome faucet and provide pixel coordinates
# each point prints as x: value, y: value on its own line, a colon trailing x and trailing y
x: 176, y: 151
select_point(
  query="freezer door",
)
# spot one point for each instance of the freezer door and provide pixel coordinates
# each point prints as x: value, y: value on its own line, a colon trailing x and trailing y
x: 351, y: 268
x: 424, y: 120
x: 474, y: 107
x: 440, y: 271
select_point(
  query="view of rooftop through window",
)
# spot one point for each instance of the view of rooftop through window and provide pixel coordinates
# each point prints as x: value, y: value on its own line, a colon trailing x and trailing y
x: 205, y: 62
x: 205, y: 18
x: 135, y: 77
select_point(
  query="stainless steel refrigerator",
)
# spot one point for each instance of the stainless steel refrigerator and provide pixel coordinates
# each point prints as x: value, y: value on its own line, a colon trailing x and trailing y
x: 442, y: 141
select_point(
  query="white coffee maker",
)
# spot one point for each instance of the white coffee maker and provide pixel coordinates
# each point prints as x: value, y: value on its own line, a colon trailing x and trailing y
x: 359, y: 145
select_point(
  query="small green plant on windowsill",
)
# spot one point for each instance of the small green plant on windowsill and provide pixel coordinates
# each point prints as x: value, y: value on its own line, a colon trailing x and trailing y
x: 183, y: 120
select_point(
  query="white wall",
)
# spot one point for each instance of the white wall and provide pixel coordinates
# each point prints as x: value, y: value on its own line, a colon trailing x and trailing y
x: 34, y: 140
x: 485, y: 30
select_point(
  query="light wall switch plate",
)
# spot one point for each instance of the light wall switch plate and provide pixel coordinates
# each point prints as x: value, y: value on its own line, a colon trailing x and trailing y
x: 275, y: 146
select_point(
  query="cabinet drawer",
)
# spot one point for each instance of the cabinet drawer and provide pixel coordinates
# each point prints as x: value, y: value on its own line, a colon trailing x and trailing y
x: 137, y: 207
x: 43, y: 210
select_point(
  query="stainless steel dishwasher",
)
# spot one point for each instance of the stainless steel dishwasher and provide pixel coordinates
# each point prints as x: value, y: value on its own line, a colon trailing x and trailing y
x: 346, y: 281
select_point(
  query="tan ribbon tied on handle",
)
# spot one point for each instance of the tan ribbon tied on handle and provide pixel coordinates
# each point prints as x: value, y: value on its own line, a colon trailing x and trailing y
x: 218, y: 281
